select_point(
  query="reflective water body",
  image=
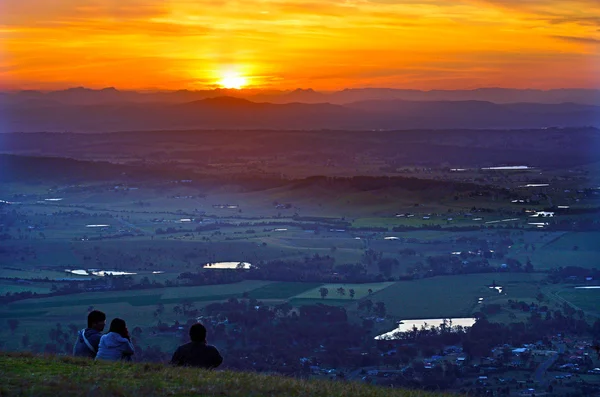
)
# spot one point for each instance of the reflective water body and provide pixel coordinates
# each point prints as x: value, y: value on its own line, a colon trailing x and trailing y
x: 227, y: 265
x: 408, y: 325
x: 589, y: 287
x: 508, y: 167
x: 99, y: 273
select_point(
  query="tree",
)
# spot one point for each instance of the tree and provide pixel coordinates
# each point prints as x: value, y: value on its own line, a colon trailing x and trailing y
x: 137, y: 332
x: 341, y: 291
x: 73, y: 328
x: 370, y: 291
x: 351, y: 292
x: 13, y: 324
x: 380, y: 309
x: 323, y: 291
x: 540, y: 297
x: 25, y: 340
x: 528, y: 266
x: 368, y: 304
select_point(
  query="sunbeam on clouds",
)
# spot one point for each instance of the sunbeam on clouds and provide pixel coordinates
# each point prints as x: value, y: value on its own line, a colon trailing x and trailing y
x: 176, y: 44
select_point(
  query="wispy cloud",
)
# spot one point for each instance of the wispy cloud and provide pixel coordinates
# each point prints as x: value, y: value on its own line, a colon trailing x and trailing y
x: 584, y: 40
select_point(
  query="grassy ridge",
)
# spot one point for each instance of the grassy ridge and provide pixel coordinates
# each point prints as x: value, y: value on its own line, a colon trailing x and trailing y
x: 28, y: 375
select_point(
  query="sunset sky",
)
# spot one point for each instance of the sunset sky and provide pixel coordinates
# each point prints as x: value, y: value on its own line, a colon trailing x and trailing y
x: 321, y: 44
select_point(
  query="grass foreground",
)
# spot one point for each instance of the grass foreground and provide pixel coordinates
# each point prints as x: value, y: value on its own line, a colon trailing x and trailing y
x: 31, y: 375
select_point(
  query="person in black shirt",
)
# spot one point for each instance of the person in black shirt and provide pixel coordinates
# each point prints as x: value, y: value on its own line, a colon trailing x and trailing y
x: 197, y: 353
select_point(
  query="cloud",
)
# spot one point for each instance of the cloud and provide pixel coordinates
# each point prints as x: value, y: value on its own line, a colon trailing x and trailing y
x: 174, y: 43
x: 585, y: 21
x: 583, y: 40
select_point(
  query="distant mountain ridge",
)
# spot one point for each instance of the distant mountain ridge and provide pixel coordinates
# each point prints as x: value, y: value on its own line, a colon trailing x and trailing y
x: 86, y: 96
x: 224, y: 112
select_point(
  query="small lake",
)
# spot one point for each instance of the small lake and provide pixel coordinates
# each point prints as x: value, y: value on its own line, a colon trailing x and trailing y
x: 509, y: 167
x: 99, y: 273
x: 407, y: 325
x: 589, y: 287
x: 226, y: 265
x: 504, y: 220
x: 97, y: 225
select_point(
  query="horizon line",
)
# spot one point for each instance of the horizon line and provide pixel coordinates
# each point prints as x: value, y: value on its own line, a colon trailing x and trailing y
x: 309, y: 89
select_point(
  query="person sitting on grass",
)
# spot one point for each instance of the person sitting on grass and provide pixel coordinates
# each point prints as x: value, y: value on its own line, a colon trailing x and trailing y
x: 88, y: 338
x: 116, y: 345
x: 197, y: 353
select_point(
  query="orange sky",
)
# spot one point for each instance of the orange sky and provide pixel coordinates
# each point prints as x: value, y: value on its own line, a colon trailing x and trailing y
x: 322, y: 44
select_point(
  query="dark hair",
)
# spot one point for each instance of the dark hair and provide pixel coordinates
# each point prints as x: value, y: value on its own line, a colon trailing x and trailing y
x: 94, y: 317
x: 118, y: 325
x: 197, y: 333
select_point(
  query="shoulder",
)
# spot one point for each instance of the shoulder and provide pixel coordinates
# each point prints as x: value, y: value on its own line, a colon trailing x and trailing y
x: 211, y: 348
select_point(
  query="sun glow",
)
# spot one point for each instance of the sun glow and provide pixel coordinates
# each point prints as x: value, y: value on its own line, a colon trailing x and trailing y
x: 233, y: 80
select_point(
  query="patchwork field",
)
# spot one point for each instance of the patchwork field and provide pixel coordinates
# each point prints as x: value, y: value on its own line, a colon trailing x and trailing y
x: 587, y: 300
x: 454, y: 296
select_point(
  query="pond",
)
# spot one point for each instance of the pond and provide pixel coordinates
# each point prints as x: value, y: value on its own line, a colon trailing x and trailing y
x: 407, y: 325
x: 509, y: 167
x: 227, y: 265
x: 589, y: 287
x: 99, y: 273
x: 97, y: 225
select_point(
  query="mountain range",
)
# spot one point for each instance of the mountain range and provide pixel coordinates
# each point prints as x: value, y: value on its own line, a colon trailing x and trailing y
x: 86, y: 96
x: 109, y: 110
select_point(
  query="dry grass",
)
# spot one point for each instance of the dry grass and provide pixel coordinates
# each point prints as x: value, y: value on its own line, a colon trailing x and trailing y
x: 25, y: 374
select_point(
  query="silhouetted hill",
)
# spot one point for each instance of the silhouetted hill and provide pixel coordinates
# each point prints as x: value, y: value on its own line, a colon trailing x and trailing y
x: 25, y: 374
x: 238, y: 113
x: 86, y: 96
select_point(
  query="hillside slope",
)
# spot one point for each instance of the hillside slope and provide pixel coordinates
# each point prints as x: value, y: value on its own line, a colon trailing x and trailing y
x: 25, y: 374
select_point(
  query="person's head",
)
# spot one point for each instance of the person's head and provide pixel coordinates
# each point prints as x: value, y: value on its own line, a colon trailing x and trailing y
x: 198, y: 333
x: 97, y: 320
x: 118, y: 325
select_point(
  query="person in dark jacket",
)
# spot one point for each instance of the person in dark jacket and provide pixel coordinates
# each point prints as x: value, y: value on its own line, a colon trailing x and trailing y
x: 116, y: 345
x: 88, y: 338
x: 197, y: 353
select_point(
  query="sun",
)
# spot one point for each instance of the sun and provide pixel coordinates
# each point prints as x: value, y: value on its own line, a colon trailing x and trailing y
x: 233, y: 80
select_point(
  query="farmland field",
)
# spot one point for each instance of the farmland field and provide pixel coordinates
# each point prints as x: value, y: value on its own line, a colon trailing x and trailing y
x: 586, y: 299
x: 453, y: 296
x: 164, y: 230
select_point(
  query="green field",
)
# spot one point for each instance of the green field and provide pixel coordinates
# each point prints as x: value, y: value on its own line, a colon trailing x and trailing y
x: 361, y: 291
x: 453, y: 296
x: 587, y: 300
x: 49, y: 237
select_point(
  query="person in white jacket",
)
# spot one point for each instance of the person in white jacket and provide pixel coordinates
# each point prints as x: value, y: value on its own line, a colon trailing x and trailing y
x: 116, y: 344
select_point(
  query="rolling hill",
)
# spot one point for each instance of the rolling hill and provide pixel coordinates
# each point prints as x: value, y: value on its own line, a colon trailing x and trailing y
x: 237, y: 113
x: 26, y: 374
